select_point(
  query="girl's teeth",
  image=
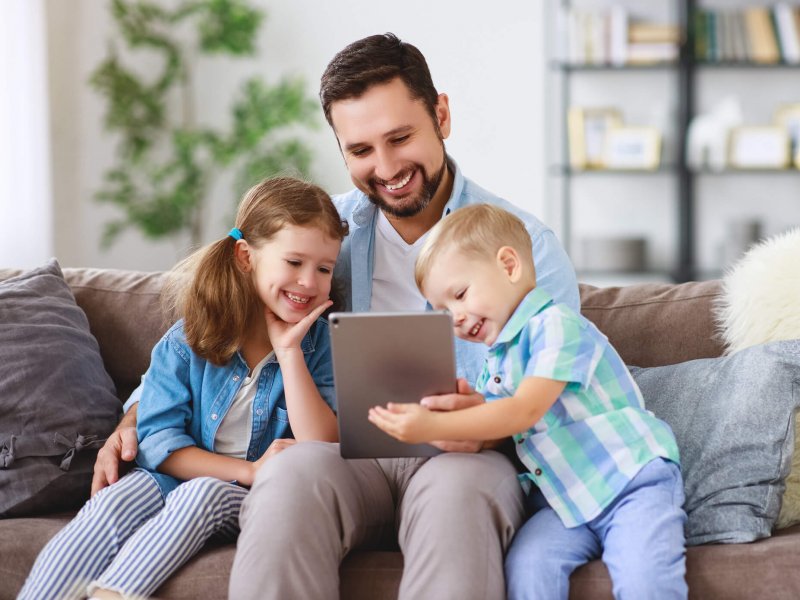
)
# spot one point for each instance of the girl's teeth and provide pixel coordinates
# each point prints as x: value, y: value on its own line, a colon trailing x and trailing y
x: 294, y: 298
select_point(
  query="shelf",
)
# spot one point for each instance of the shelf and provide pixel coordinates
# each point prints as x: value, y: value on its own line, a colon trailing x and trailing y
x: 603, y: 67
x: 571, y: 172
x: 726, y: 172
x: 622, y: 278
x: 728, y: 64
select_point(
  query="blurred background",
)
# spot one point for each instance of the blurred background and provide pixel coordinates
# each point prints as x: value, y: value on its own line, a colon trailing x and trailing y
x: 129, y: 129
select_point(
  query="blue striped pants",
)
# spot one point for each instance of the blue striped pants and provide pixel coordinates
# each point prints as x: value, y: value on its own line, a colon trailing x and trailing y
x: 127, y: 539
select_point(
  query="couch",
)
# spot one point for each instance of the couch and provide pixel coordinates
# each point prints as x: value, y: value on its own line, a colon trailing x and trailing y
x: 649, y: 324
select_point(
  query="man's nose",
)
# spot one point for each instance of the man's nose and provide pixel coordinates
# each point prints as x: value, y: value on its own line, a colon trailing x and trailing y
x: 387, y: 167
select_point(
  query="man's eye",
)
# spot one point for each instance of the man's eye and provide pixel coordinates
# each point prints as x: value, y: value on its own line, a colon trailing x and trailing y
x: 400, y: 139
x: 359, y: 152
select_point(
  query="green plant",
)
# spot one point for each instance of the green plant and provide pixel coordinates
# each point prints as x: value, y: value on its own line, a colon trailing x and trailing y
x: 166, y: 161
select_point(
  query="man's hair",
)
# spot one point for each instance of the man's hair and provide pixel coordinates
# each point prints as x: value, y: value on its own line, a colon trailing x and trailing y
x: 373, y: 60
x: 478, y: 230
x: 218, y: 301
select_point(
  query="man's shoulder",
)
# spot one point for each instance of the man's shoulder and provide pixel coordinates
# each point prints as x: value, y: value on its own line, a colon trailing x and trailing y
x: 472, y: 193
x: 348, y: 202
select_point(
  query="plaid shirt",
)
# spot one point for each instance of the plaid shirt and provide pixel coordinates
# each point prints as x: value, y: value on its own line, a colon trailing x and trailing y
x: 597, y: 435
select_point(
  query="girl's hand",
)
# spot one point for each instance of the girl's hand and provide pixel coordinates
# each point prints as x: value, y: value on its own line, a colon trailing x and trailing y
x: 287, y: 336
x: 410, y: 423
x: 275, y: 447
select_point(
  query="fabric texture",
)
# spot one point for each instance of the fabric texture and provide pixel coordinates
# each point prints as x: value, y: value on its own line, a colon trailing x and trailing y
x: 57, y: 403
x: 759, y: 304
x: 734, y: 420
x: 597, y: 435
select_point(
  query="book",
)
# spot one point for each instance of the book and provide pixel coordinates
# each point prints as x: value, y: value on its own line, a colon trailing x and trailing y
x: 761, y: 34
x: 654, y: 32
x: 786, y: 27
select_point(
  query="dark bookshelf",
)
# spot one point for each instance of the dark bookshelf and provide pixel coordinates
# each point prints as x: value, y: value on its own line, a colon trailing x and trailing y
x: 686, y: 68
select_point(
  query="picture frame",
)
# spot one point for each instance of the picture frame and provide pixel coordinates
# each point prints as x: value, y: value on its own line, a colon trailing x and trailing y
x: 759, y: 147
x: 633, y: 148
x: 587, y: 129
x: 788, y: 117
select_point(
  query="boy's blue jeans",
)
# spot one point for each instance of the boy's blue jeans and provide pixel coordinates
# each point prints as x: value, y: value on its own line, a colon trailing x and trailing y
x: 639, y: 536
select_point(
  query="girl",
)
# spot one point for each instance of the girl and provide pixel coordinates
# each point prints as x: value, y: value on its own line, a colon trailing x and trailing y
x: 247, y: 366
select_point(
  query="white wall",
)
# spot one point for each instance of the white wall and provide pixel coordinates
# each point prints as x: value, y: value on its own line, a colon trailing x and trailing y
x: 489, y: 59
x: 26, y: 235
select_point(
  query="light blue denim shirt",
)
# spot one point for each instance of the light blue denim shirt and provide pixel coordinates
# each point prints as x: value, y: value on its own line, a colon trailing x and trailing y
x: 554, y: 271
x: 183, y: 398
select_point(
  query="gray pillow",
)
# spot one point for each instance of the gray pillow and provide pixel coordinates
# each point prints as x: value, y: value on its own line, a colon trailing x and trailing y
x: 57, y: 403
x: 733, y: 418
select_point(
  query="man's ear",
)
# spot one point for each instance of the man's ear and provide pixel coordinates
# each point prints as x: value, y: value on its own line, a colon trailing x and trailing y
x: 508, y: 260
x: 442, y: 110
x: 242, y: 255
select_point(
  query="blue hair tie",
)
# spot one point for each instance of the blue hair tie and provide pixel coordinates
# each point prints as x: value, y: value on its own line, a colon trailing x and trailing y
x: 235, y: 233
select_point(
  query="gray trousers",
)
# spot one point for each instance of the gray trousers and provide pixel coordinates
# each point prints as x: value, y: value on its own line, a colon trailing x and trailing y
x: 453, y: 515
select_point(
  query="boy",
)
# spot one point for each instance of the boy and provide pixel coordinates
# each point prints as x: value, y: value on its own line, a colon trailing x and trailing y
x: 606, y: 474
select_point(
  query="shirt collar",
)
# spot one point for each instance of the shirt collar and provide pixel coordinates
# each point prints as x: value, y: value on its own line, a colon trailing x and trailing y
x: 532, y: 304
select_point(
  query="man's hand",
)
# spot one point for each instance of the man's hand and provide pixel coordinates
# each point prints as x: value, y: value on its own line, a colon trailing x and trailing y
x: 121, y: 445
x: 464, y: 397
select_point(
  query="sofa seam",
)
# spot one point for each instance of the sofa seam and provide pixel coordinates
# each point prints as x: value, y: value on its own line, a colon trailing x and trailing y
x: 647, y: 303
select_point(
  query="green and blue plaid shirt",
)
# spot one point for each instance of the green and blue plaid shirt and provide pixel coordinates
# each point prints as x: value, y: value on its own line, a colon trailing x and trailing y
x: 597, y: 435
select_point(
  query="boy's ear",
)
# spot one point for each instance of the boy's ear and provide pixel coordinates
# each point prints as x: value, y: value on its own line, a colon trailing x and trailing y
x: 508, y: 260
x: 242, y: 255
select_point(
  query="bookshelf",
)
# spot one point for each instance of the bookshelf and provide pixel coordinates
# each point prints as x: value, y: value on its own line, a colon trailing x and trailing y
x: 682, y: 74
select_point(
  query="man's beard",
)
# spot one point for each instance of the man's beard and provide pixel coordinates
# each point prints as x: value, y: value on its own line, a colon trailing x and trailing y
x: 402, y: 209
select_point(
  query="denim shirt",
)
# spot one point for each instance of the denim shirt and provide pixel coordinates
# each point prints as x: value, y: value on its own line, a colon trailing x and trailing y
x: 183, y: 398
x: 554, y: 271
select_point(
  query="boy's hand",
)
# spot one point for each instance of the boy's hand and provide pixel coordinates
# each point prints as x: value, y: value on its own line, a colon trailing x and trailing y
x: 285, y: 336
x: 464, y: 397
x: 410, y: 423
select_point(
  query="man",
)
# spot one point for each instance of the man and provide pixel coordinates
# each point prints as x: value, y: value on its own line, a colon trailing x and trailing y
x: 455, y: 514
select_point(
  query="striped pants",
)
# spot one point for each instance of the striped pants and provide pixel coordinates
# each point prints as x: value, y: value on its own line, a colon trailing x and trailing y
x: 127, y: 539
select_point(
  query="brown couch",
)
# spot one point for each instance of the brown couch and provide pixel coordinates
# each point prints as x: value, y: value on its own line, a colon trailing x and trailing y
x: 649, y: 325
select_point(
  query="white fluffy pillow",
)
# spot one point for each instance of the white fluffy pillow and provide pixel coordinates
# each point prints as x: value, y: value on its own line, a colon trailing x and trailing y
x: 761, y: 303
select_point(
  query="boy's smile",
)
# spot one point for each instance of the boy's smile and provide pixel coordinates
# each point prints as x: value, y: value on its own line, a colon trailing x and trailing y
x: 480, y: 292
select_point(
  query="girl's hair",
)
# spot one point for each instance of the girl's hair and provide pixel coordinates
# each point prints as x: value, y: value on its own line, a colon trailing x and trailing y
x: 218, y: 301
x: 478, y: 230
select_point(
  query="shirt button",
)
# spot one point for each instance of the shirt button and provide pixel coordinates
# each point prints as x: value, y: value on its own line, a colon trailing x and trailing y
x: 259, y: 411
x: 497, y: 379
x: 214, y: 417
x: 236, y: 378
x: 537, y: 472
x: 521, y: 440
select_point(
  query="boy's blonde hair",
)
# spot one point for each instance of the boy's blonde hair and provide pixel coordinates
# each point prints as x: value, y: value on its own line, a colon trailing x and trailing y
x: 218, y: 301
x: 479, y: 230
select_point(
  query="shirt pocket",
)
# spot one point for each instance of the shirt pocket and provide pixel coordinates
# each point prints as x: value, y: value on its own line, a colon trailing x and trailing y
x: 281, y: 414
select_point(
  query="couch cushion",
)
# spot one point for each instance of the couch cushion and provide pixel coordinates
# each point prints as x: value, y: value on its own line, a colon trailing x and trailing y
x: 733, y: 418
x: 655, y: 324
x: 57, y: 403
x: 124, y: 311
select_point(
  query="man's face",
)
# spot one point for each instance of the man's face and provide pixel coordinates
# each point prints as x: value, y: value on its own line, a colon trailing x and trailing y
x: 393, y: 149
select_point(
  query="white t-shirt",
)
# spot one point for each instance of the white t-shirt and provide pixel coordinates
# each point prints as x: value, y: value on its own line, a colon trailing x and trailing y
x: 393, y: 287
x: 233, y: 436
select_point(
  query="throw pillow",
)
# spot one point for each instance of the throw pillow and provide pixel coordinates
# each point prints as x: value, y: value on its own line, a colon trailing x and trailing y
x: 734, y: 419
x: 57, y: 403
x: 759, y: 304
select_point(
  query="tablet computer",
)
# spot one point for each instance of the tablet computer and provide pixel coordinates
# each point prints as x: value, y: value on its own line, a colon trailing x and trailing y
x: 387, y: 357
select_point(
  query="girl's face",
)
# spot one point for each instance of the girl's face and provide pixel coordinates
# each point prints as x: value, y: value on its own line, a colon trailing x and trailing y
x: 292, y: 272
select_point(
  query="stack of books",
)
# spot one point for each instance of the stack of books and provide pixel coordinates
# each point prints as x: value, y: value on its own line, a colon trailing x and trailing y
x: 760, y: 34
x: 614, y: 37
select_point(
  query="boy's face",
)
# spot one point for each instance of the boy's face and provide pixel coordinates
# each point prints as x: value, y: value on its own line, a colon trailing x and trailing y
x: 391, y: 146
x: 480, y: 292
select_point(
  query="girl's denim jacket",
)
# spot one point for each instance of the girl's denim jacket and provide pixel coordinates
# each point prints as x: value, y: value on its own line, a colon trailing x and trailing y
x: 183, y: 398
